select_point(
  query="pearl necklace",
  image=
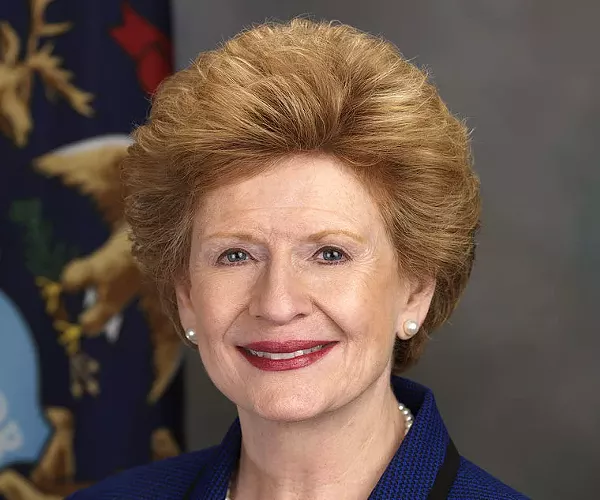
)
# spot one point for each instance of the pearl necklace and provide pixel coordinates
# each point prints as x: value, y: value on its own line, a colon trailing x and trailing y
x: 408, y: 421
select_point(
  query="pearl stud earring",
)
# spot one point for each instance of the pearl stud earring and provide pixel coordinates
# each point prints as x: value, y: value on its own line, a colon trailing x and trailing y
x: 411, y: 328
x: 191, y: 336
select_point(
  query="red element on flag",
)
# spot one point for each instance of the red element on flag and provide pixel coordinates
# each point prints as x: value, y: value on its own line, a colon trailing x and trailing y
x: 147, y: 45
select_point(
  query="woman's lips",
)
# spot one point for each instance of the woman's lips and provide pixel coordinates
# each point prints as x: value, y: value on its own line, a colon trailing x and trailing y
x: 284, y: 345
x: 300, y: 361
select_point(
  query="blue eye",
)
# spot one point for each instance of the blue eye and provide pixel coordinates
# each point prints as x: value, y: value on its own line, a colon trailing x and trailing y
x: 234, y: 256
x: 333, y: 255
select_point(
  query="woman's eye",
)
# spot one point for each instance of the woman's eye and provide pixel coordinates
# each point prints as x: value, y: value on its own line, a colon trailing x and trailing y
x: 333, y: 255
x: 232, y: 257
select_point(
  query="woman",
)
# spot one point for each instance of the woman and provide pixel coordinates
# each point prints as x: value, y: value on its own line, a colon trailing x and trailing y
x: 306, y: 205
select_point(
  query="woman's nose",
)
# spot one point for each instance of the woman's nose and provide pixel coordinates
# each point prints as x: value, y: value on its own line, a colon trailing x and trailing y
x: 279, y: 295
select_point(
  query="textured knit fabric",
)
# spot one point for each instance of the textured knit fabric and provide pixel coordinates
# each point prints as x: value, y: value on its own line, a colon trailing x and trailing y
x: 409, y: 475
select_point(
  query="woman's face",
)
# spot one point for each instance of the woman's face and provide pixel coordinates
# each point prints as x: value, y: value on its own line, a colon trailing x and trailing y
x: 293, y: 257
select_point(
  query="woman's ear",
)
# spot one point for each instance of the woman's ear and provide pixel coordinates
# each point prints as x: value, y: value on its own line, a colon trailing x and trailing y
x: 187, y: 317
x: 417, y: 303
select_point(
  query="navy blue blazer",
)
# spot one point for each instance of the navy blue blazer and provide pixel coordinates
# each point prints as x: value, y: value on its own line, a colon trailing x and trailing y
x: 204, y: 475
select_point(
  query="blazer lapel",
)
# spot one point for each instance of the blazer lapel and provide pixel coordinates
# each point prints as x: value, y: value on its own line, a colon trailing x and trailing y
x: 213, y: 479
x: 413, y: 469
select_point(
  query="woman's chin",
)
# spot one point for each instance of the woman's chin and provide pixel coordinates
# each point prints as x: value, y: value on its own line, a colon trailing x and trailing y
x: 287, y: 410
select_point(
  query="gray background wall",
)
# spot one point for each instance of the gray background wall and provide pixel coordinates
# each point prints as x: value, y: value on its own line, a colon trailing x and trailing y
x: 516, y: 373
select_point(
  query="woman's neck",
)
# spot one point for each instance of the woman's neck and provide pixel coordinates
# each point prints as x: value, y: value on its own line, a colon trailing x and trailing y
x: 341, y: 454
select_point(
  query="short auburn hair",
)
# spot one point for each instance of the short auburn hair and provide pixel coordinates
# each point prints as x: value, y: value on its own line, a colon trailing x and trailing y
x: 281, y: 89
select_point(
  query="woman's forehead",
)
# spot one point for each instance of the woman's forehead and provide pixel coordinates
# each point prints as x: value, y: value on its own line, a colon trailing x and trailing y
x: 300, y: 186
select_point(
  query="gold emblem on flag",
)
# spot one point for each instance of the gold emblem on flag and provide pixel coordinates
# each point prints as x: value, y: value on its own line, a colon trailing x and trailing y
x: 17, y: 75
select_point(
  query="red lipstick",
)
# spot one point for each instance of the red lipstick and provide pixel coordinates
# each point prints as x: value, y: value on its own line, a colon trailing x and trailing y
x: 290, y: 346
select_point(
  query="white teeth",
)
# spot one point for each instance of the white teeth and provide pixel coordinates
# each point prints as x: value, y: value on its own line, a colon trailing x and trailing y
x: 284, y: 355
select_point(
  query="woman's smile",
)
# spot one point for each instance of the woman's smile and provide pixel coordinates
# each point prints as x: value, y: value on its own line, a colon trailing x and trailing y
x: 281, y: 356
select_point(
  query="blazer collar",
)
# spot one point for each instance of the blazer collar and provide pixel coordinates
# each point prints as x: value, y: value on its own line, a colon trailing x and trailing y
x: 409, y: 475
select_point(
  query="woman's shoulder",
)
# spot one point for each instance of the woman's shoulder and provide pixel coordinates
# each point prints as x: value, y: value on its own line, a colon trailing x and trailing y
x: 474, y: 482
x: 166, y: 479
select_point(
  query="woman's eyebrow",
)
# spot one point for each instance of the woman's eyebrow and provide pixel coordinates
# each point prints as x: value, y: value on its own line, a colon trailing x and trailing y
x: 322, y: 234
x: 221, y: 235
x: 313, y: 237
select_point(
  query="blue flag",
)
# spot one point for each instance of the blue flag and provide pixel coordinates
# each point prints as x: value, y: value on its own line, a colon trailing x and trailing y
x: 90, y: 378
